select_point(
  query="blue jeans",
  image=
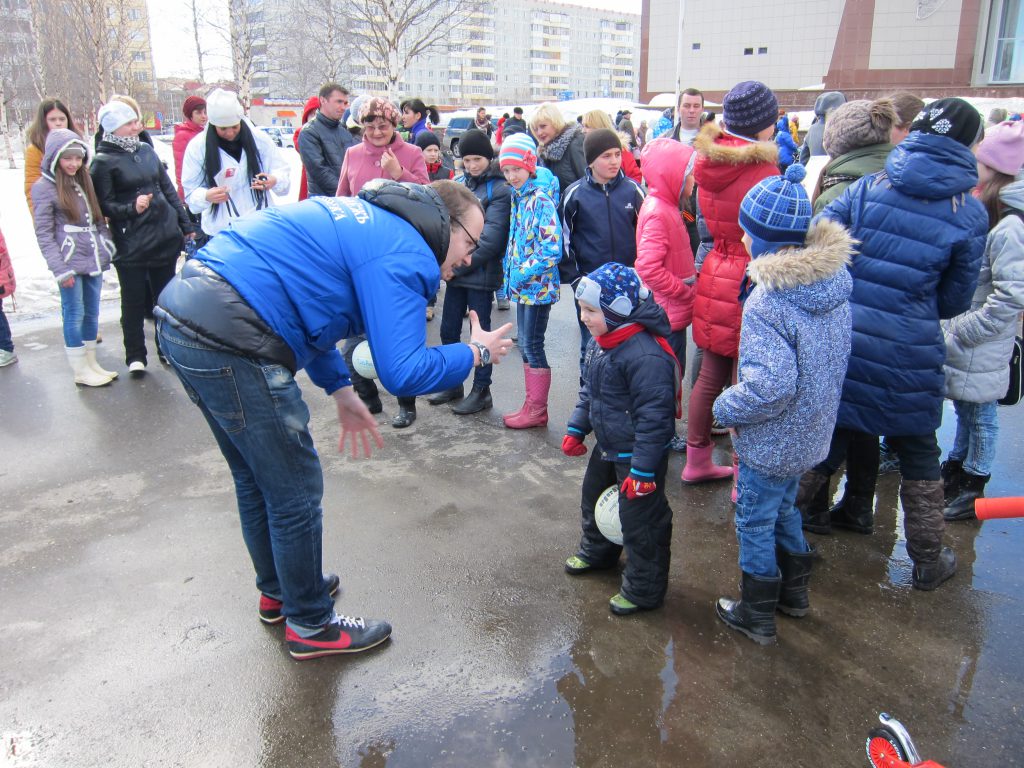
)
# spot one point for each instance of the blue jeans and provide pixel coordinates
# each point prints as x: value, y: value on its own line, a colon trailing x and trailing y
x: 766, y: 519
x: 6, y: 343
x: 532, y: 322
x: 977, y: 426
x: 456, y: 301
x: 80, y: 309
x: 256, y: 413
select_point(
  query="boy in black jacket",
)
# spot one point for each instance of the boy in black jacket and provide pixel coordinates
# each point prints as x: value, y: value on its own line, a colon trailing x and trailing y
x: 630, y: 399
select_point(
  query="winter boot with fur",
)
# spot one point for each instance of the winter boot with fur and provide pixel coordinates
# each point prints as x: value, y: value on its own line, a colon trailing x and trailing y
x: 812, y: 502
x: 699, y: 466
x: 84, y: 374
x: 535, y: 410
x: 90, y: 355
x: 754, y: 613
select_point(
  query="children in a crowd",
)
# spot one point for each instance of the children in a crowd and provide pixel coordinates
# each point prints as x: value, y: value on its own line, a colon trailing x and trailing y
x: 731, y: 160
x: 77, y: 245
x: 663, y: 256
x: 7, y: 286
x: 430, y: 146
x: 629, y: 398
x: 599, y: 214
x: 472, y: 286
x: 794, y: 345
x: 979, y: 342
x: 51, y: 114
x: 531, y: 273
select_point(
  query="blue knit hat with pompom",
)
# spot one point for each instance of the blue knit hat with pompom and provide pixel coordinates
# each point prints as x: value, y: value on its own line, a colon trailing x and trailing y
x: 776, y: 212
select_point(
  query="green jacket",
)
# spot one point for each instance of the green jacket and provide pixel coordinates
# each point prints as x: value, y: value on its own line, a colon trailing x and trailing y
x: 846, y: 169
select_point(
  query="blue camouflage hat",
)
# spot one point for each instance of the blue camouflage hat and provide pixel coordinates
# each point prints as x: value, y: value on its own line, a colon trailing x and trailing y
x: 616, y: 289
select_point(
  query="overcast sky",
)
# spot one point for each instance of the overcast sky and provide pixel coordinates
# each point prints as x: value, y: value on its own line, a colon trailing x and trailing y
x: 174, y: 52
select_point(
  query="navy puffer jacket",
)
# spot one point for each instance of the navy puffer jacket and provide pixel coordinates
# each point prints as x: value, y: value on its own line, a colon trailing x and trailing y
x: 628, y: 396
x: 921, y: 239
x: 483, y: 273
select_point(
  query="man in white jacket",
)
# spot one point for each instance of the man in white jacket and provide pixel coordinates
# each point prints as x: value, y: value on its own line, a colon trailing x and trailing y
x: 230, y: 168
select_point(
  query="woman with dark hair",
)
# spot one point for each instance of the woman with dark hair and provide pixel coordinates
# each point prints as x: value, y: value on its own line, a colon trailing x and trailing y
x: 52, y: 114
x: 415, y: 117
x: 146, y: 218
x: 230, y: 169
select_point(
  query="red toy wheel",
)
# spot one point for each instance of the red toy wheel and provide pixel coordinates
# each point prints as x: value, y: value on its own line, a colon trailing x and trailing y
x: 884, y: 749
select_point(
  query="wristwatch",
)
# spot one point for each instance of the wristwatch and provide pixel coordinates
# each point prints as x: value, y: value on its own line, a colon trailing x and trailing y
x: 485, y: 354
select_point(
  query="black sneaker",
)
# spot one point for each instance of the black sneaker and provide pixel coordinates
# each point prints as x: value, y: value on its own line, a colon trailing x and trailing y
x: 344, y: 634
x: 270, y: 608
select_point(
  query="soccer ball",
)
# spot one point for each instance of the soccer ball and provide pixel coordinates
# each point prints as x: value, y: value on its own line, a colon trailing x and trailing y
x: 606, y: 514
x: 362, y: 360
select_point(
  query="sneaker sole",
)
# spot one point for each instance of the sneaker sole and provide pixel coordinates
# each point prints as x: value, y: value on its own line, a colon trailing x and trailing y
x: 280, y: 617
x: 320, y: 652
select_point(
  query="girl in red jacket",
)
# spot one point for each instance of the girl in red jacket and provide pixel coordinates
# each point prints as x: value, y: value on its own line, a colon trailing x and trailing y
x: 731, y: 160
x: 663, y: 257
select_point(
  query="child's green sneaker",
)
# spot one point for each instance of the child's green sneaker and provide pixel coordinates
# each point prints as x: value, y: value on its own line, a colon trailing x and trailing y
x: 622, y: 607
x: 574, y: 566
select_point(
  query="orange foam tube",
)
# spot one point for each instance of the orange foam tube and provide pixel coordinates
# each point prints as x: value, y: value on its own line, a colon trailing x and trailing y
x: 992, y: 509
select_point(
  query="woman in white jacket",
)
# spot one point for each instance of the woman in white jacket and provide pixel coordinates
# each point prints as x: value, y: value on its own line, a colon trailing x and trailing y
x: 979, y: 342
x: 230, y: 168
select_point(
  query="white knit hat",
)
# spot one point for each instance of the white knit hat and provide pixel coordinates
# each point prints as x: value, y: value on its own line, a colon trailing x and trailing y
x: 114, y: 114
x: 223, y: 108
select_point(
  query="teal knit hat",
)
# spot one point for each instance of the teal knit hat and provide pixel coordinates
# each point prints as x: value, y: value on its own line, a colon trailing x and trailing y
x: 776, y: 212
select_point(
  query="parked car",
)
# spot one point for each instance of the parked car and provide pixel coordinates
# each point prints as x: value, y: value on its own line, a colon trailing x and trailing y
x: 456, y: 126
x: 282, y: 137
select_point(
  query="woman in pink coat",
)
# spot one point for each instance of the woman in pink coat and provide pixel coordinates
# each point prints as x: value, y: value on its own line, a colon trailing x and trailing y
x: 663, y: 257
x: 382, y: 154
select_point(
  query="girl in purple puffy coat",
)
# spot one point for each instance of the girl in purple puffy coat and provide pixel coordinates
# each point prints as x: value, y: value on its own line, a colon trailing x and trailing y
x: 77, y: 245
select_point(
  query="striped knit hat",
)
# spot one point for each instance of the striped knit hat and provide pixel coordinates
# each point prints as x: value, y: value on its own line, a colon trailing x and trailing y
x: 776, y: 212
x: 519, y: 151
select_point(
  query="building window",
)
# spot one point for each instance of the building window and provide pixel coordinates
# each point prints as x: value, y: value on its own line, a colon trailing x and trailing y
x: 748, y: 51
x: 762, y: 50
x: 1008, y: 63
x: 695, y: 47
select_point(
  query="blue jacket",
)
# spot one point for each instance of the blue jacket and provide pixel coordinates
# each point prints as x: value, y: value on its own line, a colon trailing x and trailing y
x: 327, y: 269
x: 921, y: 239
x: 534, y: 247
x: 599, y: 223
x: 794, y: 346
x: 628, y: 398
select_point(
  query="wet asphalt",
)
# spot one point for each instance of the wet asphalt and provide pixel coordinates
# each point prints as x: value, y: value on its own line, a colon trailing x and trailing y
x: 130, y: 635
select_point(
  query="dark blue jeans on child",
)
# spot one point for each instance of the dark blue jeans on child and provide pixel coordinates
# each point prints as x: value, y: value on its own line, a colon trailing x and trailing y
x: 766, y: 518
x: 646, y: 532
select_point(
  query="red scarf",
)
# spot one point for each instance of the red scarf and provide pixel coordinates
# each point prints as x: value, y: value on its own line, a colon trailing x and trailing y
x: 612, y: 339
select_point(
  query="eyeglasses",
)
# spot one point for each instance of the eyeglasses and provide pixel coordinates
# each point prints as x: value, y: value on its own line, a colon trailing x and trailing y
x: 378, y: 127
x: 476, y: 243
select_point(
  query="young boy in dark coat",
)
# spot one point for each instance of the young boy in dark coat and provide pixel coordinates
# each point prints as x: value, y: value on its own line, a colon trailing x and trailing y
x: 629, y: 399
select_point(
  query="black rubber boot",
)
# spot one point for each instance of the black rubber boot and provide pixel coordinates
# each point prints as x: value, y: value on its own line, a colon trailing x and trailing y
x: 406, y: 413
x: 854, y: 513
x: 754, y: 614
x: 812, y: 502
x: 961, y: 507
x: 446, y: 395
x: 928, y: 576
x: 796, y: 575
x: 479, y: 399
x: 951, y: 471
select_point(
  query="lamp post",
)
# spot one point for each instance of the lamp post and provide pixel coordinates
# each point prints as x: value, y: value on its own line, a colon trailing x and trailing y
x: 679, y: 61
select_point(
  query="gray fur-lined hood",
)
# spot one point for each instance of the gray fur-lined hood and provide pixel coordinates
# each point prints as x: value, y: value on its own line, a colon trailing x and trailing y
x: 813, y: 277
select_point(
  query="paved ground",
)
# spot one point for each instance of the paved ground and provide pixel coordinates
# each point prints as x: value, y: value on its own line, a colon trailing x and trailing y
x: 130, y: 633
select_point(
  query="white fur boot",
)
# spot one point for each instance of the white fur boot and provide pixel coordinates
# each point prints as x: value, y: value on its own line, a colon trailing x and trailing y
x: 90, y: 355
x: 84, y: 374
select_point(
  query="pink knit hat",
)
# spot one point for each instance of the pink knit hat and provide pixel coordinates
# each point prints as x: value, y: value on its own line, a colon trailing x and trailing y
x: 1003, y: 148
x: 378, y: 107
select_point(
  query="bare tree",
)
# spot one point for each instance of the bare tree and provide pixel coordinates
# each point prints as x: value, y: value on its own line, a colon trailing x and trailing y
x: 197, y: 19
x: 320, y: 50
x: 391, y: 34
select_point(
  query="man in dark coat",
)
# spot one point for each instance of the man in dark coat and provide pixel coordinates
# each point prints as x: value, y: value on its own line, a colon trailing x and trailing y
x: 323, y: 142
x: 515, y: 124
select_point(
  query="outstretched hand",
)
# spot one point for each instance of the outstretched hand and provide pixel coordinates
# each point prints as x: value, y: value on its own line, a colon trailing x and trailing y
x: 495, y: 340
x: 357, y: 423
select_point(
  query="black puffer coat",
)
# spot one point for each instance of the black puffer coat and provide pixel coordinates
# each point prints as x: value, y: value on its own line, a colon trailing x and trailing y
x: 153, y: 237
x: 629, y: 396
x: 323, y: 143
x: 484, y: 272
x: 564, y: 157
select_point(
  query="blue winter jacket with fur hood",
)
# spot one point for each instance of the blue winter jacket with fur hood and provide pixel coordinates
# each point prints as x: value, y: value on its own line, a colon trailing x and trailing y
x: 794, y: 346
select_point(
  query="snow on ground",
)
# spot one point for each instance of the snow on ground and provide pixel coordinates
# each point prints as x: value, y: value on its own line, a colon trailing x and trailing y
x: 37, y: 299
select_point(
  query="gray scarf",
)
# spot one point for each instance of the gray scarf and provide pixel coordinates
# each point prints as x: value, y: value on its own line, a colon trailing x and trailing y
x: 127, y: 143
x: 553, y: 150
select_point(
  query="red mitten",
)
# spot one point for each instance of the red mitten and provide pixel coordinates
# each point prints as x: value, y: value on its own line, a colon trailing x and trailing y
x: 634, y: 487
x: 573, y: 446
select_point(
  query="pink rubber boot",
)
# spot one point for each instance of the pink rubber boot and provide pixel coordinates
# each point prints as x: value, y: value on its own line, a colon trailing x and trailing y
x: 526, y: 388
x: 535, y: 410
x: 699, y: 466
